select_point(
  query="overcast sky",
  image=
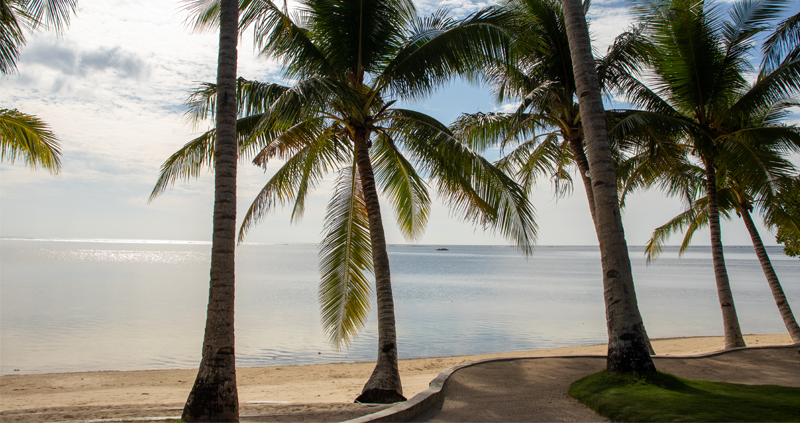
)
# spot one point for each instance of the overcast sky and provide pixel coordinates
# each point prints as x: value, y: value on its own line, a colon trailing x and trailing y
x: 112, y: 89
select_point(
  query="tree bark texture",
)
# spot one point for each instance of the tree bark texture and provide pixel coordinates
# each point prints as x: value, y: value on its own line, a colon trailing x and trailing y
x: 730, y: 321
x: 578, y: 153
x: 384, y: 384
x: 772, y: 279
x: 627, y: 348
x: 214, y: 396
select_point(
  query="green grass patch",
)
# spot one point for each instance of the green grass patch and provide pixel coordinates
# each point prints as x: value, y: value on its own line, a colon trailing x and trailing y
x: 662, y: 397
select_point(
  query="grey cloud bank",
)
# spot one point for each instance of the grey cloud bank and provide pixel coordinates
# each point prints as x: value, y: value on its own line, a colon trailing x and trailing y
x: 69, y: 60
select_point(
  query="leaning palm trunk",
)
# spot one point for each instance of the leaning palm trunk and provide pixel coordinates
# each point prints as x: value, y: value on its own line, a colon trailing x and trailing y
x: 214, y: 395
x: 627, y: 348
x: 772, y: 278
x: 730, y: 321
x: 384, y: 385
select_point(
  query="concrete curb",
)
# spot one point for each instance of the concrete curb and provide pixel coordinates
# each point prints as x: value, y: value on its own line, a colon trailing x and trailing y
x: 424, y: 400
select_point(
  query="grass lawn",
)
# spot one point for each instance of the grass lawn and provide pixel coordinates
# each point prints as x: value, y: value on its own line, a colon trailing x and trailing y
x: 663, y: 397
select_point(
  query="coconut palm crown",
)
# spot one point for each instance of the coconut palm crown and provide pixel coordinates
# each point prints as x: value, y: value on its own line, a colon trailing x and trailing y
x: 352, y: 61
x: 546, y: 124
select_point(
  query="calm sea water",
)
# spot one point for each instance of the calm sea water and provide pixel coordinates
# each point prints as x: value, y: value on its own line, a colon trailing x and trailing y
x: 80, y: 305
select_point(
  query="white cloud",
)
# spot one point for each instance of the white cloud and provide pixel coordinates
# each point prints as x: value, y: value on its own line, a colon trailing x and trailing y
x: 606, y: 23
x: 508, y: 107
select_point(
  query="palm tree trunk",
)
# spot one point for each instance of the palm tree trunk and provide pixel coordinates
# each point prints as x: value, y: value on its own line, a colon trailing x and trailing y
x: 384, y: 385
x: 576, y: 146
x: 730, y: 321
x: 627, y: 348
x: 772, y: 279
x: 578, y: 153
x: 214, y: 396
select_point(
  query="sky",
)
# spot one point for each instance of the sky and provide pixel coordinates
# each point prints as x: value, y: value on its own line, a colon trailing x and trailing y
x: 112, y: 88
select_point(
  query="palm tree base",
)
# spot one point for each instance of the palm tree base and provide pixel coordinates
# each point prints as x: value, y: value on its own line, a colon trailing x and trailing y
x: 380, y: 396
x: 214, y: 397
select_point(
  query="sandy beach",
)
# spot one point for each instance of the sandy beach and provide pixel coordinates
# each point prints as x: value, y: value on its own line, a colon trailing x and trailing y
x: 286, y: 392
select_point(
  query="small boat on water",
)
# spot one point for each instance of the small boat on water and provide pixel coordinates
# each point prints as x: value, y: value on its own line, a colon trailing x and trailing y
x: 442, y: 249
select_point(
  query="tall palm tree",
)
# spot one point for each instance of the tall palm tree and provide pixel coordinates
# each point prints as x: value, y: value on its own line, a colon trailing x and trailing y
x: 539, y: 74
x: 735, y: 197
x: 21, y: 134
x: 703, y: 97
x: 627, y: 347
x: 353, y: 60
x: 214, y: 396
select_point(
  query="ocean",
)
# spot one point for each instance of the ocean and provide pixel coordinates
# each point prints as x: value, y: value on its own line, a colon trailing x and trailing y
x: 87, y: 305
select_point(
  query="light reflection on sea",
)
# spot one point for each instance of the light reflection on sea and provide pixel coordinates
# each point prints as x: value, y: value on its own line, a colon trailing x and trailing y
x: 78, y: 305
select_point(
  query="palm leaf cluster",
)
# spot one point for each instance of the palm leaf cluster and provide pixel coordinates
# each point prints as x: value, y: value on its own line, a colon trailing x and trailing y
x: 545, y: 131
x: 27, y: 138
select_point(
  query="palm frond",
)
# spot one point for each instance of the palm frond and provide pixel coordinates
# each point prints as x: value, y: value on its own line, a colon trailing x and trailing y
x: 748, y: 18
x: 406, y: 190
x: 198, y: 154
x: 278, y: 36
x: 480, y: 130
x: 630, y: 51
x: 252, y: 97
x: 309, y: 97
x: 12, y: 38
x: 538, y: 157
x: 782, y: 41
x: 780, y: 85
x: 296, y: 178
x: 17, y: 16
x: 52, y: 15
x: 345, y: 257
x: 445, y: 49
x: 688, y: 221
x: 473, y: 188
x: 29, y: 139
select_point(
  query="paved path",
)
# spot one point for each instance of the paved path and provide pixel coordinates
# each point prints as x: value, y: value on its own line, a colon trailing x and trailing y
x: 536, y: 389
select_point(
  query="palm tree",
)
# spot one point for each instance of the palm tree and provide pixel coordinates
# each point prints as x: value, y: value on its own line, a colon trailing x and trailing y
x: 627, y: 347
x: 539, y: 74
x: 734, y: 196
x: 702, y: 97
x: 353, y: 60
x: 214, y: 396
x: 24, y: 135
